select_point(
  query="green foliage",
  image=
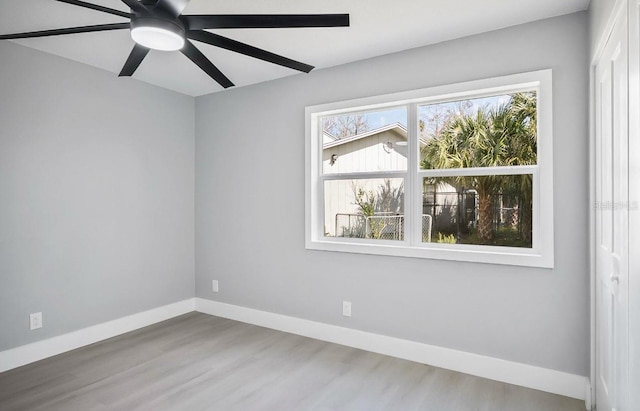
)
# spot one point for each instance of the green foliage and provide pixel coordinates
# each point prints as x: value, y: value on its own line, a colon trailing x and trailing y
x: 505, y: 237
x: 502, y: 136
x: 386, y: 200
x: 447, y: 239
x: 366, y: 200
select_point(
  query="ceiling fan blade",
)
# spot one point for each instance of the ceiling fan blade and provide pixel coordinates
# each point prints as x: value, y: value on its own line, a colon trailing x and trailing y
x: 70, y: 30
x: 208, y: 67
x: 97, y: 7
x: 173, y: 7
x: 133, y: 62
x: 261, y: 21
x: 247, y: 50
x: 136, y: 6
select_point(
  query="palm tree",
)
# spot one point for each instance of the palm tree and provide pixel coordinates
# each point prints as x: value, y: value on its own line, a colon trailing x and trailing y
x: 503, y: 136
x: 523, y: 107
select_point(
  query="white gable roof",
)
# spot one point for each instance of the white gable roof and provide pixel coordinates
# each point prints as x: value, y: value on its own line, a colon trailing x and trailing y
x: 396, y: 127
x: 329, y: 140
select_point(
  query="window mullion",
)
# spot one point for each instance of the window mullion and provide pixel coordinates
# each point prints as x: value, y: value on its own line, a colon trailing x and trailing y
x: 479, y: 171
x: 411, y: 194
x: 363, y: 175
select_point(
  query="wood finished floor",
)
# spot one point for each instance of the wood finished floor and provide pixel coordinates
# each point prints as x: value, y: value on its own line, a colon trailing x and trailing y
x: 200, y: 362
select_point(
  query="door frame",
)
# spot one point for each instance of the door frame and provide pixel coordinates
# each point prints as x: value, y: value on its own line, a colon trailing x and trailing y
x: 634, y: 199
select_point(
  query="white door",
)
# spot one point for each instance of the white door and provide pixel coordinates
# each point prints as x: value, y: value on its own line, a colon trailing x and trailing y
x: 634, y: 210
x: 612, y: 238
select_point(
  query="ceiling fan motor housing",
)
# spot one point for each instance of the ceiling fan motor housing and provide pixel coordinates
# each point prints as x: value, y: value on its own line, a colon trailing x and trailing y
x: 158, y: 33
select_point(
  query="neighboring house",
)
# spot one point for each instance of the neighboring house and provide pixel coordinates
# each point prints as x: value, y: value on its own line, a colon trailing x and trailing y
x: 383, y: 149
x: 375, y: 150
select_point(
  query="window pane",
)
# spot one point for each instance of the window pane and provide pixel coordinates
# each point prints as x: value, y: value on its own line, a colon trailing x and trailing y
x: 485, y: 210
x: 359, y: 142
x: 364, y: 208
x: 484, y: 132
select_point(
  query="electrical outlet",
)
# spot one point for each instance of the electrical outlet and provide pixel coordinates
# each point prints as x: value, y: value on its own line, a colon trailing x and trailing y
x: 346, y: 308
x: 214, y: 286
x: 35, y: 321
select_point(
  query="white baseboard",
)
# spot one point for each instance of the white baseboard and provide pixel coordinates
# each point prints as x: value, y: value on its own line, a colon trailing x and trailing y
x: 543, y: 379
x: 588, y: 396
x: 19, y: 356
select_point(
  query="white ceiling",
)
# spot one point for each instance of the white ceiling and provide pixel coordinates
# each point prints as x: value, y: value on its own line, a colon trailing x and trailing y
x: 377, y: 27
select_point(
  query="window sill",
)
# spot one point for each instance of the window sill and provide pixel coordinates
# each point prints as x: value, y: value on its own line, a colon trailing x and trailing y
x: 524, y: 257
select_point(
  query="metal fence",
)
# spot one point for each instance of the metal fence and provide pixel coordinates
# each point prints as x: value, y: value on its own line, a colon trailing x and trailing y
x: 457, y: 212
x: 350, y: 225
x: 451, y: 211
x: 384, y: 226
x: 427, y: 225
x: 444, y: 212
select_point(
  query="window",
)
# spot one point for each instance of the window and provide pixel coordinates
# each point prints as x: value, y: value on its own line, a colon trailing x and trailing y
x: 458, y: 172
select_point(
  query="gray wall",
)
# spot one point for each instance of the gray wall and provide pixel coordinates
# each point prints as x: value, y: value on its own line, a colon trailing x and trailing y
x: 96, y: 195
x: 250, y: 209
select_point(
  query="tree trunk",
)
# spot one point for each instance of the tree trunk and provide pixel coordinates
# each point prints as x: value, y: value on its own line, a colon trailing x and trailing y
x: 485, y: 217
x: 526, y: 223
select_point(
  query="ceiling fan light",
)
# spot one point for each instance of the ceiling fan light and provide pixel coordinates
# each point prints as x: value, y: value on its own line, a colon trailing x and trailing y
x: 157, y: 35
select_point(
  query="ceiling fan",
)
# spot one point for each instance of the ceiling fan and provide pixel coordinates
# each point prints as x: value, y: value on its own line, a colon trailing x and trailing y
x: 160, y: 25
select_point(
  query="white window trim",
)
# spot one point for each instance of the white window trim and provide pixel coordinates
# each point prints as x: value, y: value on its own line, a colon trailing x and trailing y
x: 541, y: 255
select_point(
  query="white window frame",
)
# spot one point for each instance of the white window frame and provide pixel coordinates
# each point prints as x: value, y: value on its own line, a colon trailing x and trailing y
x: 541, y: 253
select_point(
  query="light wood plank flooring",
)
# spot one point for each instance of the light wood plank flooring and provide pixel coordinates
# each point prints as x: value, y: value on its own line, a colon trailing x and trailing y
x: 200, y: 362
